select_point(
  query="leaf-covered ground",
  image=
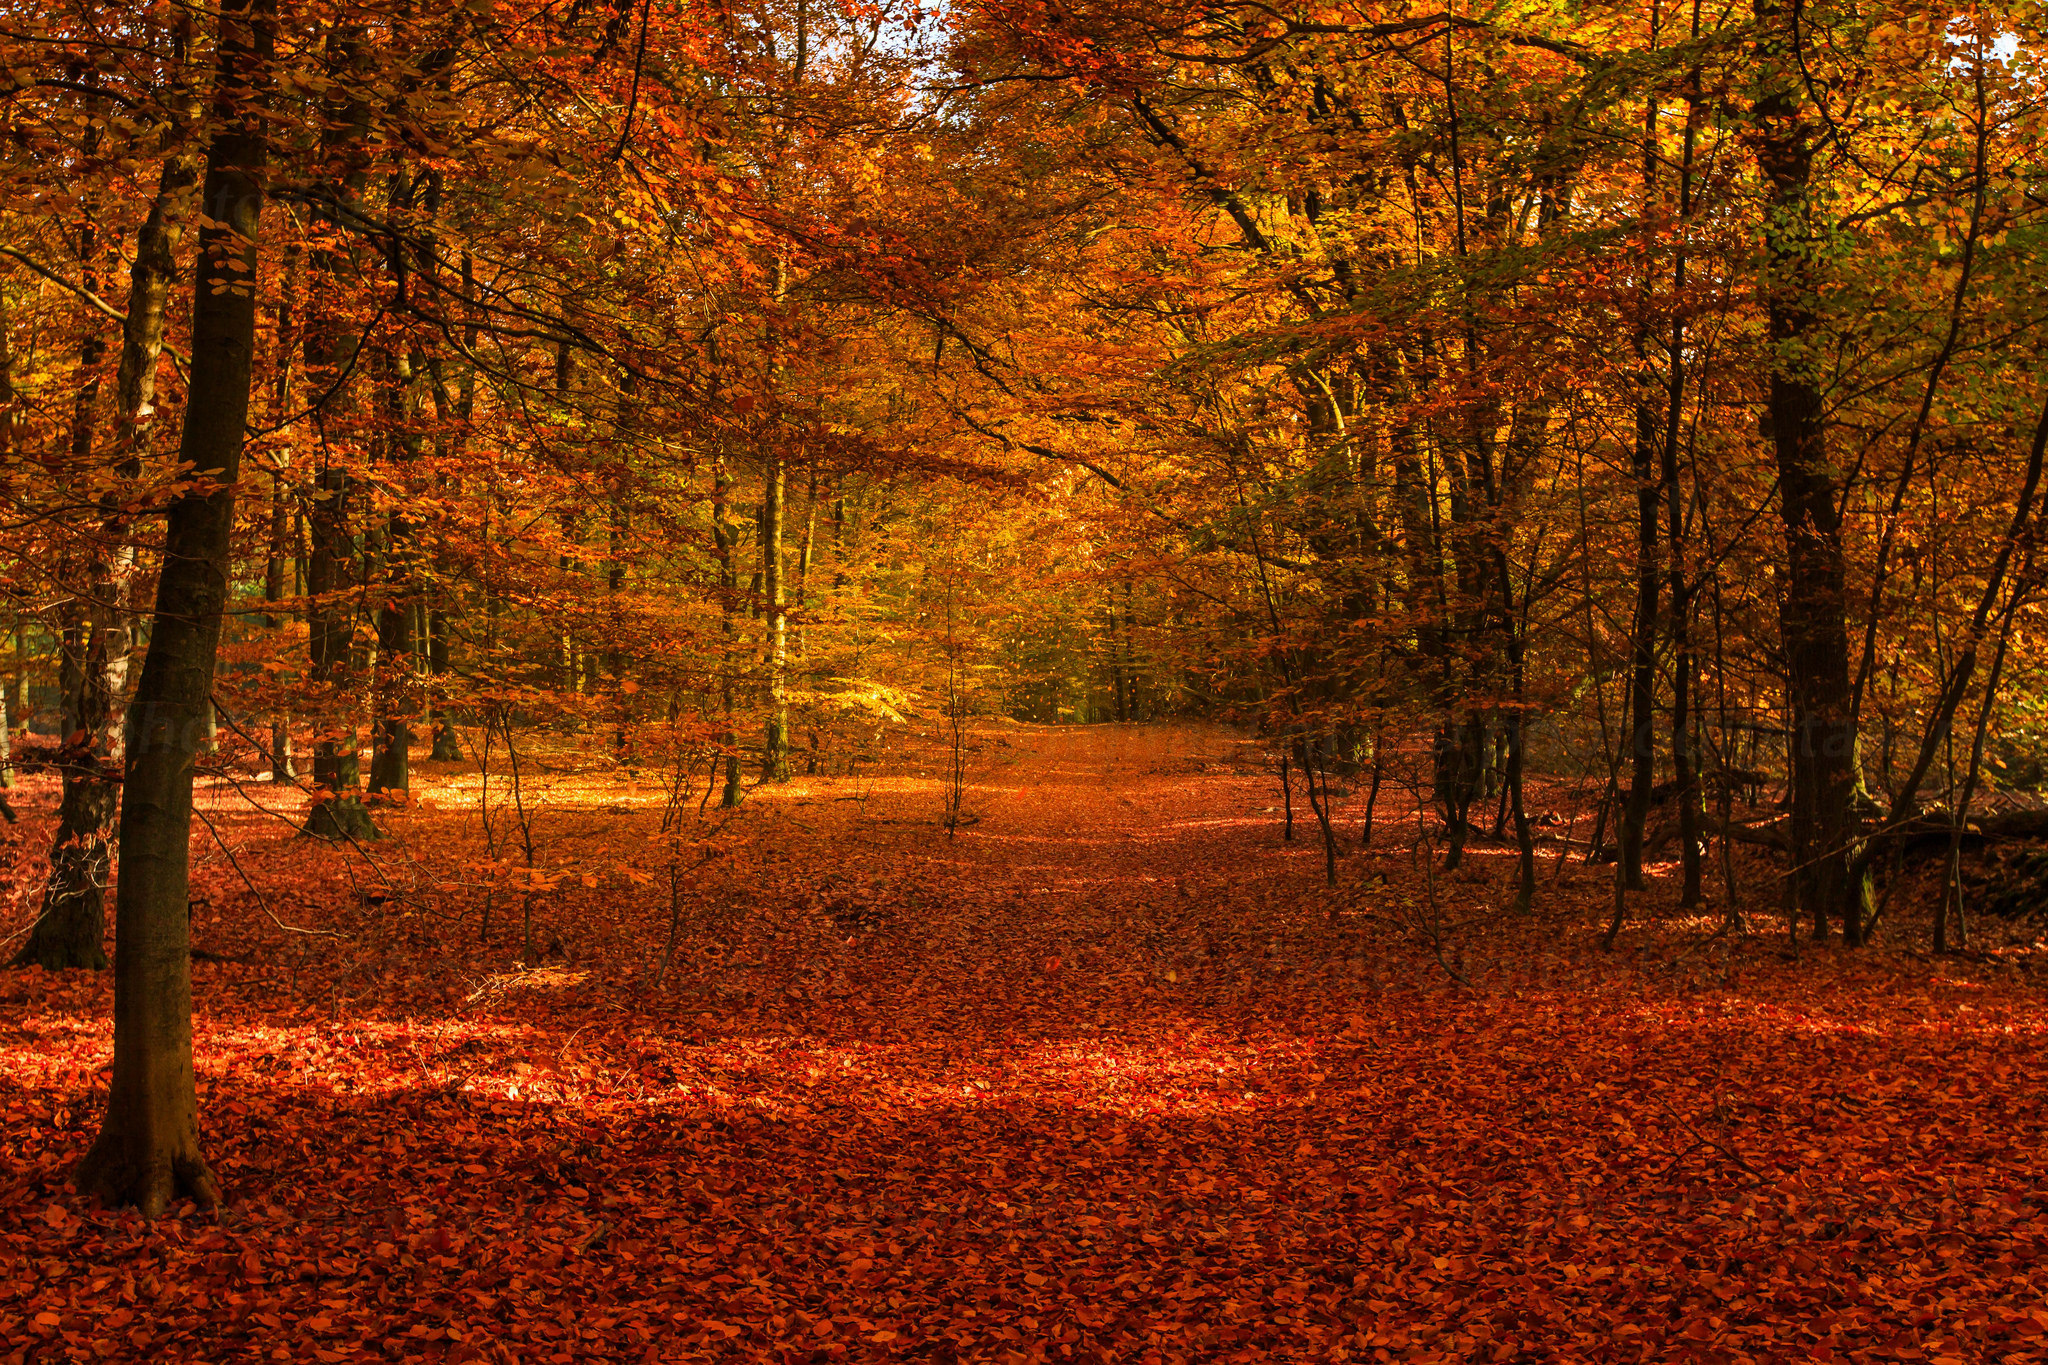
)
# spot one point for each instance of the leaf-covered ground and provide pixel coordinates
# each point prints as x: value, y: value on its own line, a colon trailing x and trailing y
x: 1102, y: 1079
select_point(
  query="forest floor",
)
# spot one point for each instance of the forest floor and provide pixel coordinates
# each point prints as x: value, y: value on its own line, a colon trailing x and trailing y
x: 1109, y: 1076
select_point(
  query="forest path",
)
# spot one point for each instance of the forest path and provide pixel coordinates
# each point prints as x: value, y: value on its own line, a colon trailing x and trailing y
x: 1087, y: 874
x: 1098, y: 1079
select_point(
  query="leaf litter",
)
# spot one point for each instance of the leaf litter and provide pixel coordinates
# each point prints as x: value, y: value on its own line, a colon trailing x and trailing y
x: 1102, y: 1079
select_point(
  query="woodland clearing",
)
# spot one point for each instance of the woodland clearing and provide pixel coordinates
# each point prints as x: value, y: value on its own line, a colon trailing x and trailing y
x: 1110, y: 1075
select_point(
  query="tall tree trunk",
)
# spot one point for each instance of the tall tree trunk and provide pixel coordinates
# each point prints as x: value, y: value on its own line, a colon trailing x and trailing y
x: 281, y: 770
x: 281, y: 500
x: 338, y: 811
x: 775, y: 752
x: 1642, y: 705
x: 1119, y: 703
x: 71, y: 922
x: 1684, y: 768
x: 391, y: 744
x: 13, y: 696
x: 16, y: 705
x: 331, y: 353
x: 147, y: 1151
x: 728, y: 589
x: 6, y: 746
x: 446, y: 747
x: 1827, y: 885
x: 391, y: 748
x: 414, y: 196
x: 804, y: 553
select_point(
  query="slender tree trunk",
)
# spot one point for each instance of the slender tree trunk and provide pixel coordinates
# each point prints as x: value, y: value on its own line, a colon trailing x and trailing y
x: 71, y: 922
x: 1372, y: 794
x: 775, y: 753
x: 147, y: 1151
x: 1684, y: 768
x: 279, y: 561
x: 10, y: 692
x: 1286, y: 797
x: 804, y: 556
x: 447, y: 749
x: 281, y: 770
x: 391, y: 749
x: 16, y: 706
x: 616, y: 530
x: 728, y: 588
x: 6, y: 745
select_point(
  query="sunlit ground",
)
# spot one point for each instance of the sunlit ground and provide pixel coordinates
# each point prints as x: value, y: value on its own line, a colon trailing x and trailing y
x: 1099, y: 1078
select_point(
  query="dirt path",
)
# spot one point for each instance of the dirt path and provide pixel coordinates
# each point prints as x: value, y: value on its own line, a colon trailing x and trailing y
x: 1099, y: 1079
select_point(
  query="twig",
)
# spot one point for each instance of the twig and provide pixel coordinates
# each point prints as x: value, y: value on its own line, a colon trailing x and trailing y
x: 261, y: 902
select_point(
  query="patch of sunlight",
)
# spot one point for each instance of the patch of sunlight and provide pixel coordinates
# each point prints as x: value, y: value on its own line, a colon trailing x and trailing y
x: 527, y: 979
x: 1229, y: 822
x: 1928, y: 1016
x: 1058, y: 840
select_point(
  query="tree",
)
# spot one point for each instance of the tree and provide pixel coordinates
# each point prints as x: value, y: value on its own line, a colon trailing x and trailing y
x: 147, y: 1151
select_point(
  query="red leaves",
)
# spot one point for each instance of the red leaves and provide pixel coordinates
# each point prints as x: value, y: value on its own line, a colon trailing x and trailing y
x: 988, y: 1126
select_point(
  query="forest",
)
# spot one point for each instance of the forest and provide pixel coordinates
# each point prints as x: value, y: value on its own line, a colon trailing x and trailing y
x: 1023, y: 680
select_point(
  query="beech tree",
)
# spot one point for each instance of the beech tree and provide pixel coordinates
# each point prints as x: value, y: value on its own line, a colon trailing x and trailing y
x: 148, y: 1148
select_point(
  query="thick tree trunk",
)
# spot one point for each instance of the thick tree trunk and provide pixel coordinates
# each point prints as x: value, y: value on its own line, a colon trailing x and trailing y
x: 1827, y: 884
x: 331, y: 353
x: 397, y: 685
x: 338, y: 811
x: 147, y: 1151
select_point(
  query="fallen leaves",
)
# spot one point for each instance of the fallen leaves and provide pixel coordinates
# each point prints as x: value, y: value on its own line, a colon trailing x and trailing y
x: 986, y: 1130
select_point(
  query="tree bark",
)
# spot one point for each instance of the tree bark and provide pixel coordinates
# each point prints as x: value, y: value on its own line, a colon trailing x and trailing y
x: 1684, y: 768
x: 148, y: 1151
x: 71, y: 921
x: 281, y: 770
x: 1642, y: 741
x: 1827, y: 885
x: 331, y: 356
x: 391, y: 747
x: 775, y: 752
x: 728, y: 586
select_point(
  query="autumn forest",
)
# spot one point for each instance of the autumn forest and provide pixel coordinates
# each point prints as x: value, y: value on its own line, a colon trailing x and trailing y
x: 1023, y: 680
